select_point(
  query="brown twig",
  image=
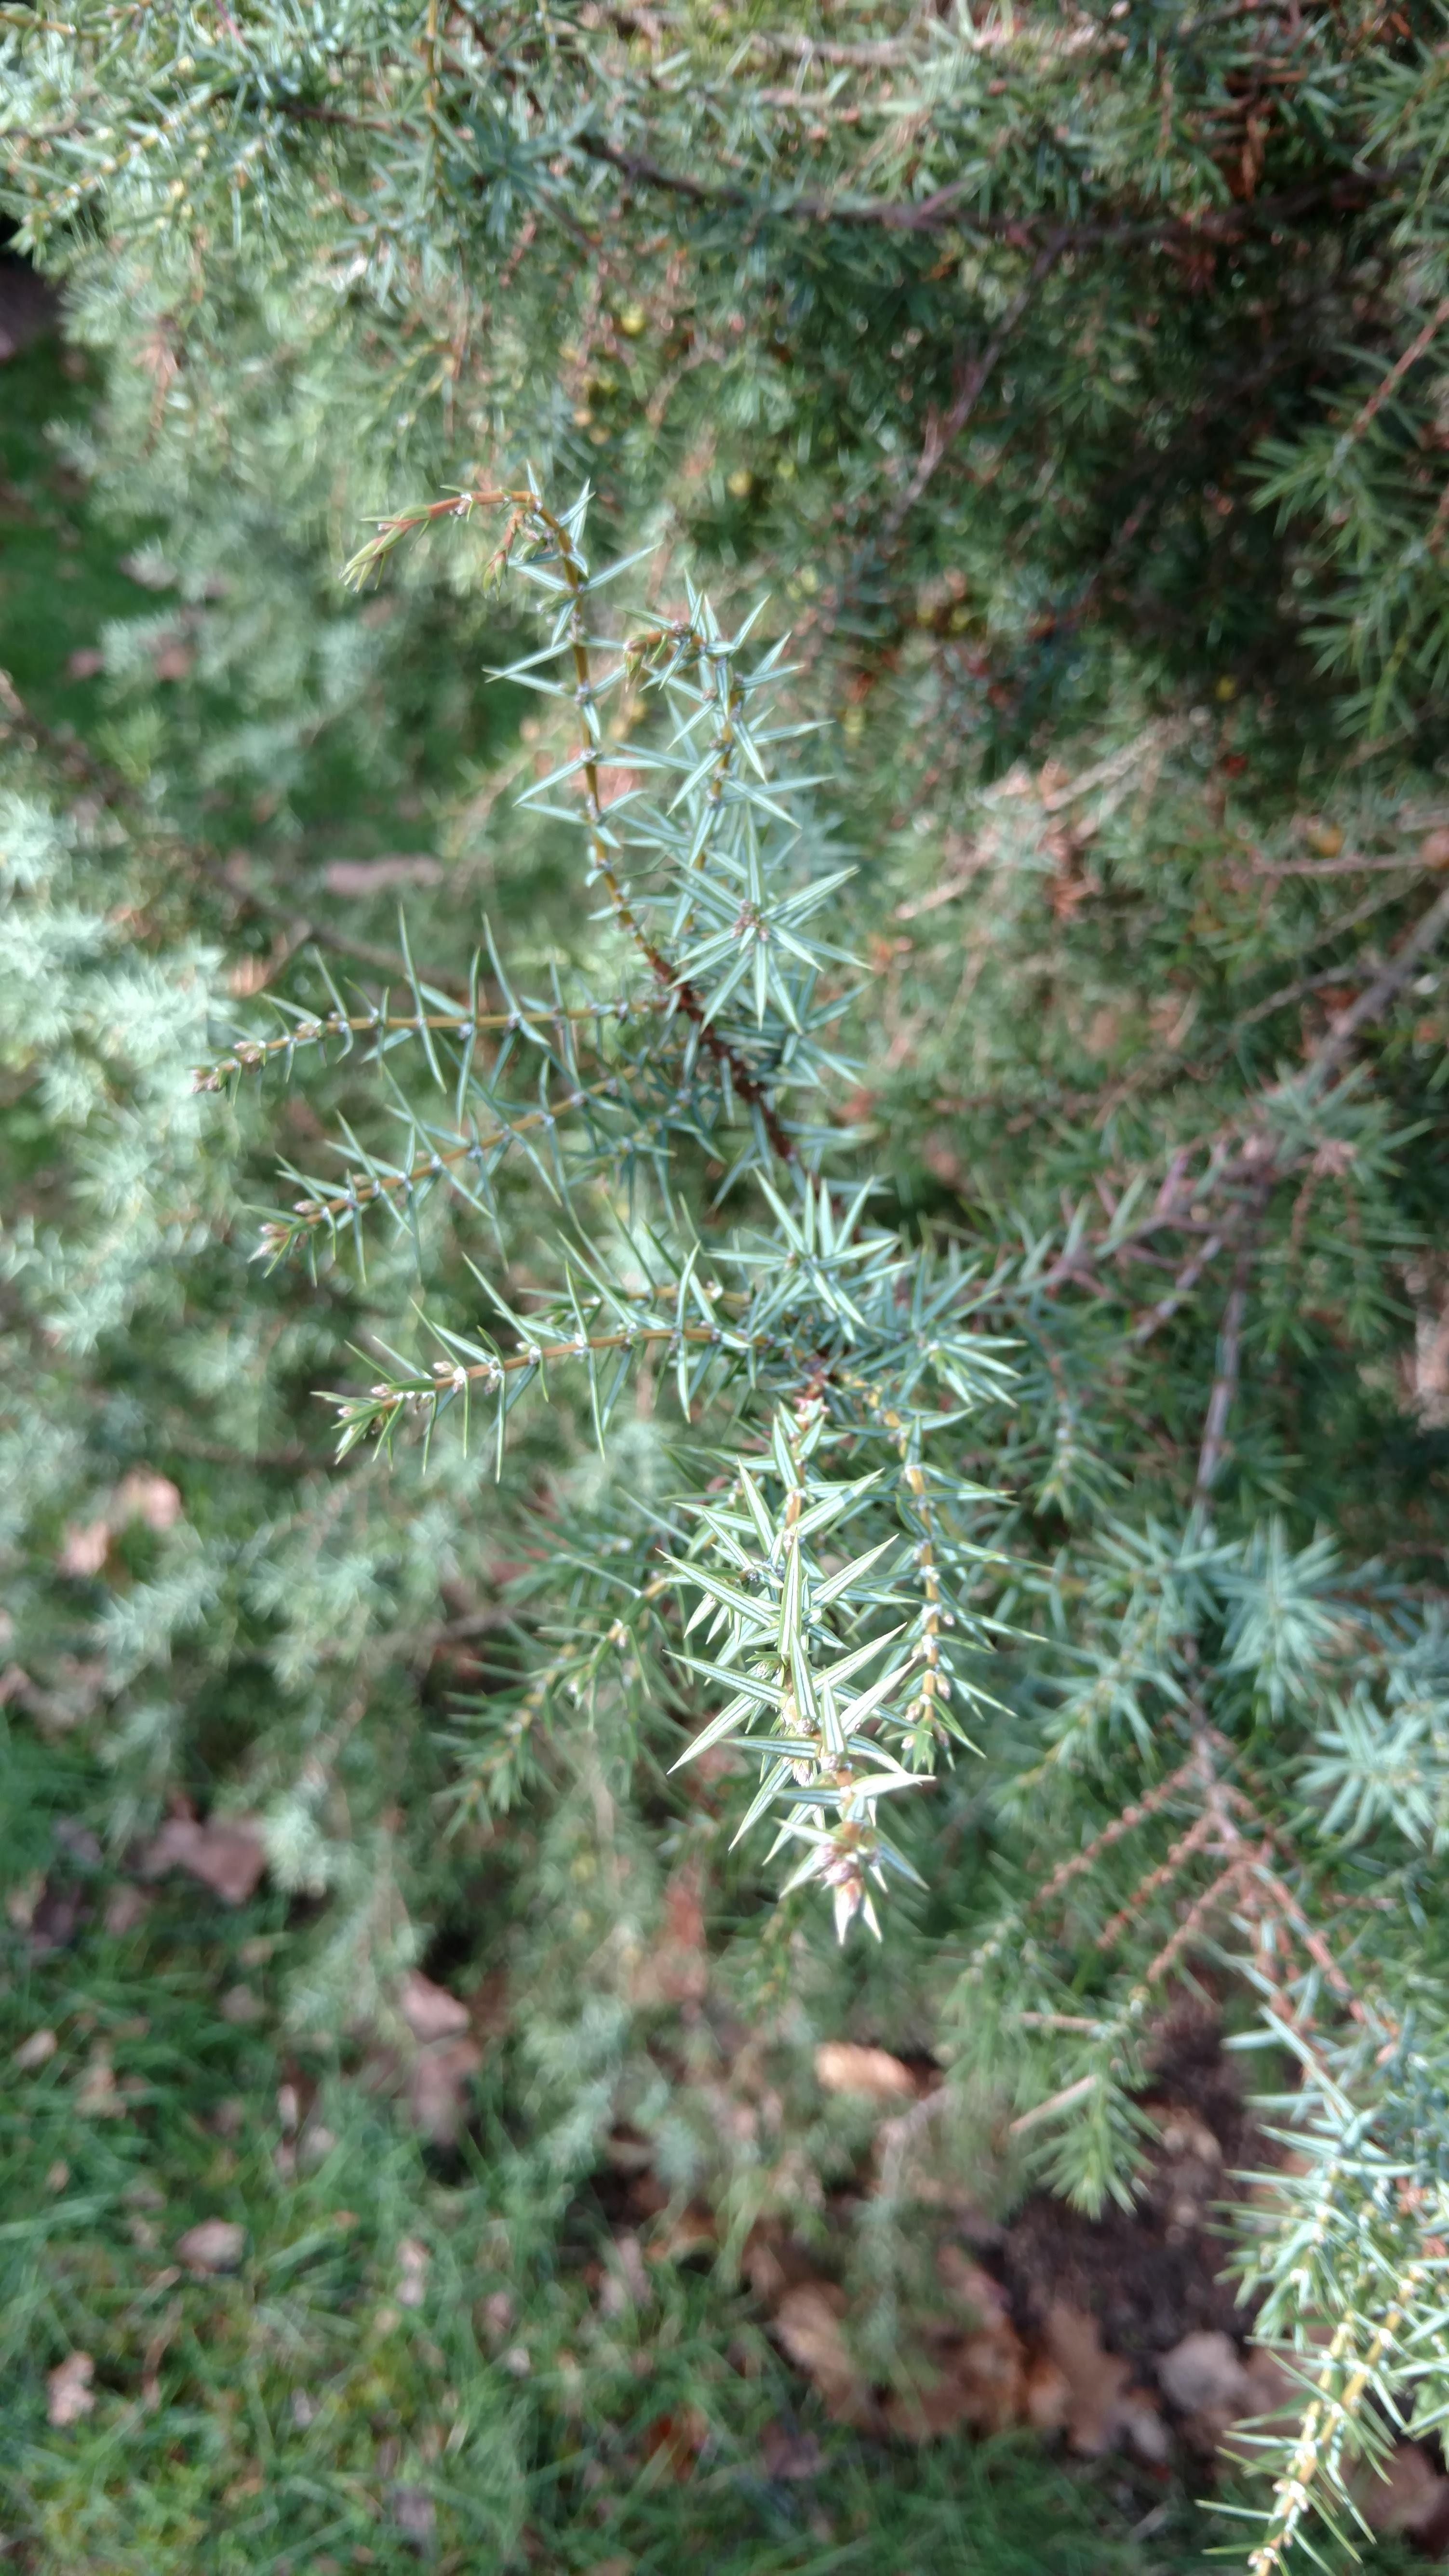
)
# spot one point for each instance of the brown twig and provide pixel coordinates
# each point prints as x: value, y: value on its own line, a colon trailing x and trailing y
x: 1229, y: 1364
x: 942, y: 433
x: 1134, y: 1815
x: 1329, y: 1054
x: 947, y: 206
x: 1261, y: 1159
x: 1406, y: 359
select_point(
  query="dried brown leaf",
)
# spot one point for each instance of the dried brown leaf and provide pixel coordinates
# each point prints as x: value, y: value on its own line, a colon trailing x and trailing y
x: 125, y: 1910
x: 977, y: 2378
x: 1204, y: 2377
x: 216, y: 2245
x: 430, y: 2012
x: 675, y: 2440
x: 1097, y: 2381
x: 1410, y: 2497
x: 842, y: 2067
x: 808, y: 2323
x: 96, y: 2097
x: 676, y: 1970
x: 1047, y: 2395
x: 414, y: 2513
x: 692, y: 2231
x: 144, y: 1496
x: 83, y: 1549
x: 227, y: 1854
x: 970, y: 2287
x: 437, y: 2086
x: 413, y: 2260
x: 69, y: 2394
x: 787, y: 2454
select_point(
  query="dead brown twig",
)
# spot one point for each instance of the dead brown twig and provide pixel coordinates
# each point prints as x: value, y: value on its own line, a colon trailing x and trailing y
x: 1245, y: 1161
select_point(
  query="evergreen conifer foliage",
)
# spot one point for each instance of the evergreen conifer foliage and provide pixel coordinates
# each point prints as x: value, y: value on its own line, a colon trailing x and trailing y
x: 1219, y: 1727
x: 1077, y: 377
x: 816, y: 1351
x: 1076, y: 302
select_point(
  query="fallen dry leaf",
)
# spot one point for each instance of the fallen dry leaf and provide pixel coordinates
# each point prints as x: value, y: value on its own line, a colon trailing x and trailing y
x: 76, y: 1685
x: 96, y: 2097
x: 414, y: 2513
x: 978, y: 2381
x: 1205, y: 2379
x: 808, y: 2322
x: 1102, y: 2406
x: 430, y: 2011
x: 977, y: 2378
x: 144, y: 1496
x: 676, y: 2440
x: 141, y: 1496
x: 1047, y: 2394
x: 774, y: 2260
x: 693, y: 2231
x: 676, y: 1970
x: 413, y: 2259
x: 216, y: 2245
x: 125, y: 1910
x: 437, y: 2083
x: 315, y: 2145
x: 973, y: 2289
x: 842, y: 2067
x: 227, y: 1854
x: 69, y: 2394
x: 497, y: 2314
x: 22, y: 1900
x: 83, y: 1548
x: 784, y: 2454
x: 1410, y: 2498
x: 34, y: 2051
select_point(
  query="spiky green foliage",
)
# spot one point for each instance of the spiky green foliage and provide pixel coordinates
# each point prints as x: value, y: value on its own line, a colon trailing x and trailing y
x: 1072, y: 384
x: 797, y: 1347
x: 1065, y: 312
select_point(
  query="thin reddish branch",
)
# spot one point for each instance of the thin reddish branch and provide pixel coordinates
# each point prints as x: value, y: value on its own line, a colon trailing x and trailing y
x: 1407, y: 358
x: 1259, y: 1161
x: 1130, y: 1817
